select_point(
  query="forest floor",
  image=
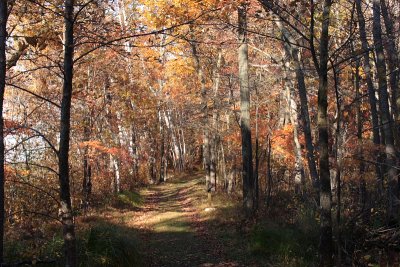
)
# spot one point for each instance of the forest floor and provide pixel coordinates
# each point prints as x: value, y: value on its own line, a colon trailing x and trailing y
x: 175, y: 226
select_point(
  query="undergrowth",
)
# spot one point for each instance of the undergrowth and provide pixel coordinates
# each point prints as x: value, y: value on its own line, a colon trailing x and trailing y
x: 100, y: 245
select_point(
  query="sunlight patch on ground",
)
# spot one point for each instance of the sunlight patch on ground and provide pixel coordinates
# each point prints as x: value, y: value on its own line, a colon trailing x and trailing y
x: 169, y: 222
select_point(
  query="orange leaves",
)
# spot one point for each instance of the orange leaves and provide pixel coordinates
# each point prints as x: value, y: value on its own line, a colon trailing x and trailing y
x: 97, y: 146
x: 10, y: 124
x: 282, y: 143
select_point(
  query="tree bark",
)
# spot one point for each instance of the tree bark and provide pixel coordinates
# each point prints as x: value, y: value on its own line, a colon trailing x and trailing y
x: 299, y: 175
x: 3, y: 63
x: 363, y: 185
x: 325, y: 246
x: 305, y: 116
x: 371, y: 89
x: 162, y: 148
x: 385, y: 114
x: 247, y: 156
x: 393, y: 65
x: 65, y: 125
x: 337, y: 177
x: 203, y: 92
x: 87, y: 168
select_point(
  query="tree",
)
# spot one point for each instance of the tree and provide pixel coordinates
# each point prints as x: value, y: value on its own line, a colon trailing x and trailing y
x: 370, y: 85
x: 326, y: 245
x: 386, y: 120
x: 247, y: 156
x: 3, y: 62
x: 67, y: 217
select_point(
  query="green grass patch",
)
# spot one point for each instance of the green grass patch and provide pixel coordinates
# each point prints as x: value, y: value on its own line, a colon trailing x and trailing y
x: 109, y: 245
x: 128, y: 200
x: 285, y: 245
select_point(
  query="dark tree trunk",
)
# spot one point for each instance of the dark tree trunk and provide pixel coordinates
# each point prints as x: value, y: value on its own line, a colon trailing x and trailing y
x: 3, y: 62
x: 247, y: 157
x: 385, y: 114
x: 87, y: 168
x: 257, y: 167
x: 325, y: 246
x: 393, y: 65
x: 371, y: 90
x: 65, y: 124
x: 269, y: 181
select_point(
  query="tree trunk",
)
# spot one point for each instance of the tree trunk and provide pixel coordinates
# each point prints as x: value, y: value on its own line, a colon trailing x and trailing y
x: 3, y: 60
x: 336, y: 178
x: 371, y: 90
x: 257, y: 158
x: 363, y: 186
x: 325, y: 246
x: 214, y: 135
x: 87, y: 168
x: 299, y: 175
x: 162, y: 149
x: 385, y: 114
x: 393, y: 64
x: 301, y: 85
x: 133, y: 144
x: 65, y: 125
x: 203, y: 91
x: 269, y: 181
x: 247, y: 157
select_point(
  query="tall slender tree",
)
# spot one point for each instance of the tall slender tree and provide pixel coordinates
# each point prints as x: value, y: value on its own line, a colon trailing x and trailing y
x: 370, y: 86
x: 387, y: 122
x: 325, y: 246
x: 247, y: 156
x: 67, y: 217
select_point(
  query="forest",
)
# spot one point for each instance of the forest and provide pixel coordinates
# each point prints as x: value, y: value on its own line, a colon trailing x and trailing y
x: 199, y: 133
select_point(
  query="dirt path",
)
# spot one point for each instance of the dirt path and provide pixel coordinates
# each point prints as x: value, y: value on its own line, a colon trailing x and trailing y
x: 173, y: 231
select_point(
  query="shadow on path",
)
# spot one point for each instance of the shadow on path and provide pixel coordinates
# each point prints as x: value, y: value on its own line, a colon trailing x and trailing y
x: 172, y: 232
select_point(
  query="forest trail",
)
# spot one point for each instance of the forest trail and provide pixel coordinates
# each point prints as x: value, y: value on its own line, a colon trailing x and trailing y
x: 174, y: 228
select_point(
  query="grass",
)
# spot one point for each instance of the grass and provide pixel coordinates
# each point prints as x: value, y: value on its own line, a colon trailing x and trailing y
x: 128, y: 199
x: 172, y: 222
x: 108, y: 245
x: 284, y: 245
x: 100, y: 241
x: 101, y: 245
